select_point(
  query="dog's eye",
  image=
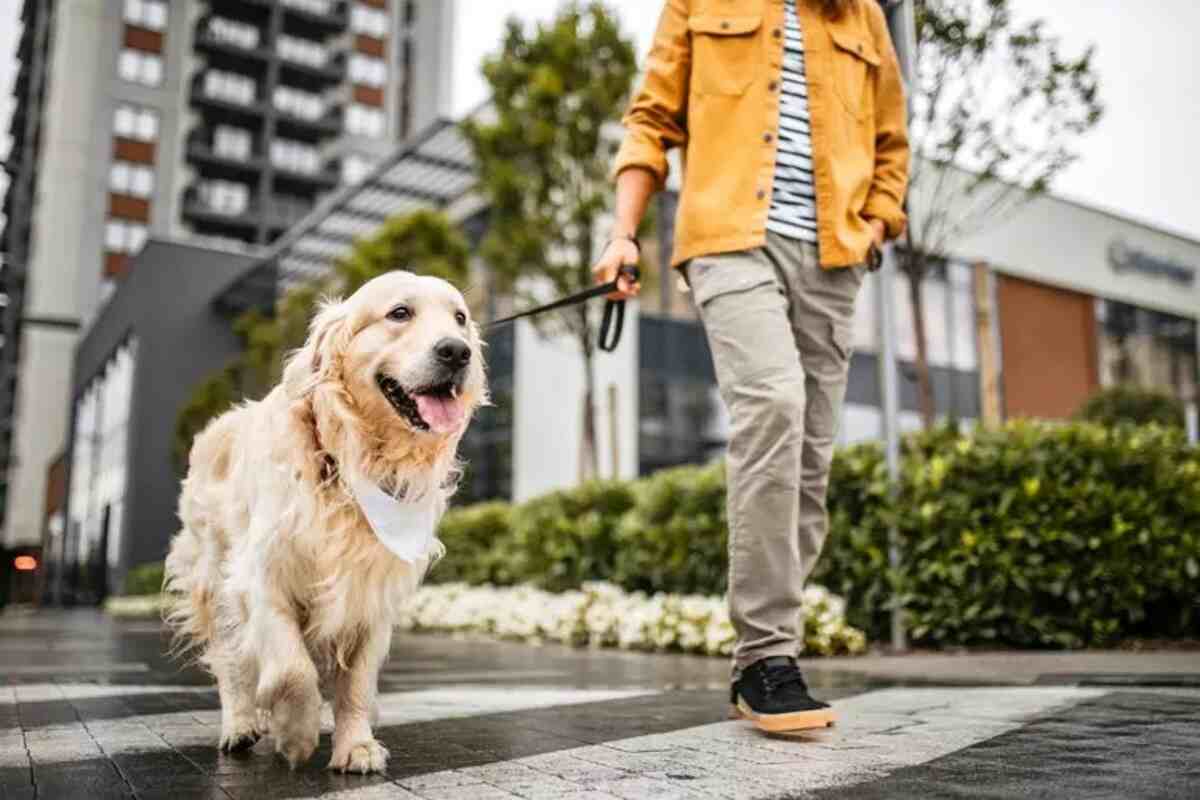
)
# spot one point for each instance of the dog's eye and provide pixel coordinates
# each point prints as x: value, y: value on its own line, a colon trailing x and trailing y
x: 400, y: 314
x: 461, y: 317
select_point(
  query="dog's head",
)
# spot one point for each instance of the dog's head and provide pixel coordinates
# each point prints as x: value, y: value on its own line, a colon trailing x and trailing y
x: 403, y: 350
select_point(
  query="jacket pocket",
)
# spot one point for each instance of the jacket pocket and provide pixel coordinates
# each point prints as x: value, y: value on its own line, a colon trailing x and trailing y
x: 854, y: 58
x: 726, y: 53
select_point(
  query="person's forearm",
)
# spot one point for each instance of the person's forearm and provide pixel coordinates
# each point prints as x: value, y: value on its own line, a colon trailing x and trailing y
x: 635, y: 187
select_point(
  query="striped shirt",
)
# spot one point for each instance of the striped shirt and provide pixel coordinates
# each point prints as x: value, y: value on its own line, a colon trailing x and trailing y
x: 793, y: 200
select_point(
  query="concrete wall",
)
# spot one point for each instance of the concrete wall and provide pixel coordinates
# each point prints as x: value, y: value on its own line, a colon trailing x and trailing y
x: 63, y: 238
x: 166, y: 302
x: 548, y: 409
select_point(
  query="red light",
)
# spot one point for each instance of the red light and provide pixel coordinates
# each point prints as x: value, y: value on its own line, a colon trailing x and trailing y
x: 25, y: 563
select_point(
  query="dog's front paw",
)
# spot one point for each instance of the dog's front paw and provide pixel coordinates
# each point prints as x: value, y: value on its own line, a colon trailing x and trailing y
x: 296, y: 726
x: 361, y: 757
x: 240, y: 735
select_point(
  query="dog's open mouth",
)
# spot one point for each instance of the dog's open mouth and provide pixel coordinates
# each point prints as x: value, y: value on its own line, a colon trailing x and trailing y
x: 437, y: 409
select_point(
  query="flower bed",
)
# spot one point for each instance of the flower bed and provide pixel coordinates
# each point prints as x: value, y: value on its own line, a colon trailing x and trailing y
x: 603, y: 615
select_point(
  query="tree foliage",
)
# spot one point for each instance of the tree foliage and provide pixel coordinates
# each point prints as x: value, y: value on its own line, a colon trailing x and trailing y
x: 998, y: 110
x: 543, y: 156
x: 423, y: 241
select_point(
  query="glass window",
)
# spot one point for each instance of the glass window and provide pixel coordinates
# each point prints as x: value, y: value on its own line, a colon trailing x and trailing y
x: 1148, y: 348
x: 126, y: 177
x: 238, y: 34
x: 231, y: 142
x: 304, y: 51
x: 150, y: 14
x: 371, y: 21
x: 964, y: 341
x: 230, y: 87
x: 299, y: 103
x: 311, y: 6
x: 295, y: 156
x: 367, y: 70
x: 355, y: 168
x: 364, y: 120
x: 225, y: 197
x: 136, y: 122
x: 138, y: 66
x: 123, y: 236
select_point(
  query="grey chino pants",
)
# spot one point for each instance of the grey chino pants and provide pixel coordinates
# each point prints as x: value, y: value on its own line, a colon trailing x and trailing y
x: 780, y: 330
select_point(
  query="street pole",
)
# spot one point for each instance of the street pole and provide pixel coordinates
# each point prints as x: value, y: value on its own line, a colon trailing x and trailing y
x: 903, y: 29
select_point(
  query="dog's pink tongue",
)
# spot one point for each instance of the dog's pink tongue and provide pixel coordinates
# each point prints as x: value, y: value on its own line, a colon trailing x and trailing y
x: 441, y: 414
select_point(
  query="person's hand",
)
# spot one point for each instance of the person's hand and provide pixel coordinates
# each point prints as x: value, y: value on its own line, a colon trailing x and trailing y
x: 618, y: 253
x: 880, y: 231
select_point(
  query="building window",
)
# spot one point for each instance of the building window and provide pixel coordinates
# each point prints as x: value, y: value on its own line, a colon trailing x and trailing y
x: 233, y: 143
x: 410, y: 13
x: 225, y: 197
x: 99, y: 468
x: 1150, y: 349
x: 230, y: 87
x: 320, y: 7
x: 367, y: 70
x: 123, y: 236
x: 150, y: 14
x: 136, y: 122
x: 364, y: 121
x: 302, y: 51
x: 371, y: 21
x: 138, y: 66
x: 126, y: 177
x: 295, y: 156
x: 238, y: 34
x: 355, y: 168
x: 299, y: 103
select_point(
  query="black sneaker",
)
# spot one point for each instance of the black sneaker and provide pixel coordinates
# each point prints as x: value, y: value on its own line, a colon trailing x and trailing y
x: 772, y: 694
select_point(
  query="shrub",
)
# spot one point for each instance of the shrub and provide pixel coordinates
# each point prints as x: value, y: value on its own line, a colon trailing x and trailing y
x: 1032, y: 534
x: 475, y: 538
x: 144, y: 579
x: 563, y: 539
x: 1133, y: 405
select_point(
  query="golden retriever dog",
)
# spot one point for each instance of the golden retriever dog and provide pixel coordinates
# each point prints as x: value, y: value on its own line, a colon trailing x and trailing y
x: 278, y: 579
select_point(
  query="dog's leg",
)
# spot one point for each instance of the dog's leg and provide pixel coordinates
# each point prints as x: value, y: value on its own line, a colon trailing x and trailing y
x: 287, y: 684
x: 354, y: 707
x: 236, y: 682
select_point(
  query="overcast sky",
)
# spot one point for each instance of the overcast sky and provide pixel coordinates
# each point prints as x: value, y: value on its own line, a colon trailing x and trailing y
x: 1142, y: 161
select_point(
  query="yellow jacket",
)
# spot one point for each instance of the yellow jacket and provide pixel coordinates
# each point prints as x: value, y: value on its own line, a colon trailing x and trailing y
x: 711, y: 88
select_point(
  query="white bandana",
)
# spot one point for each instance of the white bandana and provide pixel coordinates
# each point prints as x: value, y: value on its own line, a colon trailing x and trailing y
x: 404, y: 528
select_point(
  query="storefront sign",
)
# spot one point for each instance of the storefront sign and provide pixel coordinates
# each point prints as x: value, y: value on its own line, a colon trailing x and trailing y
x: 1124, y: 258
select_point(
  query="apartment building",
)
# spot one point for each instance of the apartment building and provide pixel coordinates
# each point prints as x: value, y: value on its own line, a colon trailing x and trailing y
x: 221, y: 122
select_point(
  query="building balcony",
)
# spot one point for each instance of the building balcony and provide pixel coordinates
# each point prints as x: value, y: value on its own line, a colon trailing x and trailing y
x: 226, y: 106
x: 311, y: 76
x: 321, y: 17
x: 197, y: 210
x: 214, y: 163
x: 224, y: 47
x: 292, y: 126
x: 294, y: 181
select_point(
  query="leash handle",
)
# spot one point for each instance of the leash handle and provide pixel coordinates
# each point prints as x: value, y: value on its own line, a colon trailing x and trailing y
x: 613, y: 323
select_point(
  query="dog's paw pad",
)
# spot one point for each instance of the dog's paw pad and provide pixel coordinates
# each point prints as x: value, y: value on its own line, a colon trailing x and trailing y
x: 296, y: 750
x: 362, y: 758
x: 239, y: 742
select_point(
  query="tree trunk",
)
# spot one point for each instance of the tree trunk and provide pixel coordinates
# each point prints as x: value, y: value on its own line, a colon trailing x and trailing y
x: 916, y: 280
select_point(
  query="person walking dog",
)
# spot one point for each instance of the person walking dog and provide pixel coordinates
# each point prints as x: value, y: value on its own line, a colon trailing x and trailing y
x: 792, y: 121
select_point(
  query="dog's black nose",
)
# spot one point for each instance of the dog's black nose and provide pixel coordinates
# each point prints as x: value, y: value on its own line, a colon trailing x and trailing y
x: 453, y: 352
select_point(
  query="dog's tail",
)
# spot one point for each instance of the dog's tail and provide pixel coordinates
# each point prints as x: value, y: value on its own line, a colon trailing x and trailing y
x: 188, y: 602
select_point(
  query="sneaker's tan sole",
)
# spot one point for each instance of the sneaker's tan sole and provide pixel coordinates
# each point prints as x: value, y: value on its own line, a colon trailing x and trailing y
x: 785, y: 723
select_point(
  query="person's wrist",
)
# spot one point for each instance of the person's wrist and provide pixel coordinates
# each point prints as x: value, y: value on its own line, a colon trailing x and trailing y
x: 619, y: 236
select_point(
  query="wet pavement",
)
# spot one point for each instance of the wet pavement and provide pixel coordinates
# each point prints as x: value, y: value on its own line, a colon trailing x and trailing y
x: 91, y: 708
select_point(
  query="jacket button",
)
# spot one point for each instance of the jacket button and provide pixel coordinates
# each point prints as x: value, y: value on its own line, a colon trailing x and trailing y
x: 762, y: 195
x: 772, y: 86
x: 724, y: 26
x: 777, y: 33
x: 767, y: 138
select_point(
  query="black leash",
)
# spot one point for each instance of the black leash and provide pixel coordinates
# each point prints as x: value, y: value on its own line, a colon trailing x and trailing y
x: 614, y: 310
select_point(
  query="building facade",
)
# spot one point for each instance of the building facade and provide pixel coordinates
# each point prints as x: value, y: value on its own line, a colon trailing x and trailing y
x: 215, y: 121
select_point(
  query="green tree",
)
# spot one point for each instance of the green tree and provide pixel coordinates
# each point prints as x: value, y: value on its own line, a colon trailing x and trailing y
x: 998, y: 109
x: 424, y: 242
x: 543, y: 156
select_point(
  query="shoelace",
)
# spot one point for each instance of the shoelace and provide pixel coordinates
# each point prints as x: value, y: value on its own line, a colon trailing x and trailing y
x: 776, y: 678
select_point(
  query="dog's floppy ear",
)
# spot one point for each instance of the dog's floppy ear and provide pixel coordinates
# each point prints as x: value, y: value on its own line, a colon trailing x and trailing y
x: 321, y: 356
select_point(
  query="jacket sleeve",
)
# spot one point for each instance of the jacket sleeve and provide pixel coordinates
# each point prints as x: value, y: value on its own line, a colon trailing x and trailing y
x: 885, y: 201
x: 656, y: 119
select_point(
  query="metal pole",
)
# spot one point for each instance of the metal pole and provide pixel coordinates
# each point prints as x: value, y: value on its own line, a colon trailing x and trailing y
x: 903, y: 29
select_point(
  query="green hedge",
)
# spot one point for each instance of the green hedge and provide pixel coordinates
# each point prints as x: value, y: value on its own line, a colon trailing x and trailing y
x: 145, y: 579
x: 1133, y: 404
x: 1031, y: 535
